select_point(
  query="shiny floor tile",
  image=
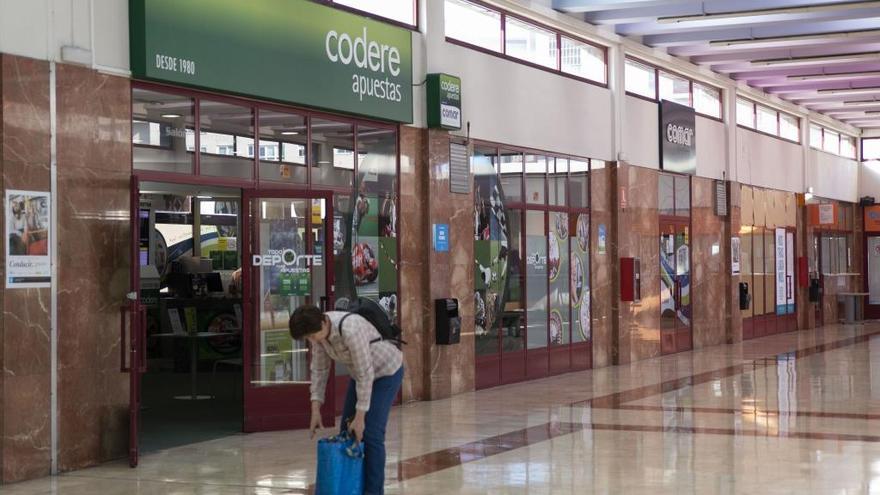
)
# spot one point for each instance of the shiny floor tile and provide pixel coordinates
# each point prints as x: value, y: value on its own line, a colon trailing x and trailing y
x: 791, y: 413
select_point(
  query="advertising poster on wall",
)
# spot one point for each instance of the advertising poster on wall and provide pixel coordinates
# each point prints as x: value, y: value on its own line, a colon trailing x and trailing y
x: 781, y: 297
x: 735, y: 255
x: 27, y: 239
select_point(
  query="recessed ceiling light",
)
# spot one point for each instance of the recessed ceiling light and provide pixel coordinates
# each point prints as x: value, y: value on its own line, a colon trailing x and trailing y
x: 170, y: 116
x: 289, y: 133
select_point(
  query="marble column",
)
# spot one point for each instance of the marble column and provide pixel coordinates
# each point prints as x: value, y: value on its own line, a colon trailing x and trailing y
x: 637, y: 235
x: 94, y: 169
x: 710, y: 274
x: 603, y: 269
x: 25, y: 325
x: 451, y: 369
x: 414, y: 272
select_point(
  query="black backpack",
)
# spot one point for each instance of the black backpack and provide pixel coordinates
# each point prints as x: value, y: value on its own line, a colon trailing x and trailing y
x: 373, y: 313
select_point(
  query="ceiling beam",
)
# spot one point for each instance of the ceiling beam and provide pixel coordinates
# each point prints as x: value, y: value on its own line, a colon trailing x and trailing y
x: 679, y: 38
x: 575, y: 6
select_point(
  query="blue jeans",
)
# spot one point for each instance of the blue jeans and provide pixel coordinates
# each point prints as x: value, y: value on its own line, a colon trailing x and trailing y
x: 384, y: 391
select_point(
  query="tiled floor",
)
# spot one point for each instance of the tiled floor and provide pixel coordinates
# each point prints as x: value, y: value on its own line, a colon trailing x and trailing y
x: 792, y: 413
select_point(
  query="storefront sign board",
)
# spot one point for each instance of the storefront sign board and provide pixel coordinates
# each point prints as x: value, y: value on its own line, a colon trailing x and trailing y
x: 872, y: 219
x: 444, y: 101
x: 28, y: 239
x: 678, y: 140
x: 294, y: 51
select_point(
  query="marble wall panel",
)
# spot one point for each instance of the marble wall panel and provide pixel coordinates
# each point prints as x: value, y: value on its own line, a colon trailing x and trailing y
x: 414, y: 276
x: 710, y: 246
x: 25, y: 325
x: 735, y: 322
x: 451, y: 368
x: 94, y: 166
x: 637, y: 236
x: 603, y: 269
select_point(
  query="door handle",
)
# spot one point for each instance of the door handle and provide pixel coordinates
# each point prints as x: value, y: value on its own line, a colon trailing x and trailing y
x: 122, y: 340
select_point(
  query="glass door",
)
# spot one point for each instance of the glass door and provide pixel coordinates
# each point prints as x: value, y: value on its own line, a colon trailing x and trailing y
x: 132, y: 327
x: 872, y: 252
x: 675, y: 288
x: 287, y: 264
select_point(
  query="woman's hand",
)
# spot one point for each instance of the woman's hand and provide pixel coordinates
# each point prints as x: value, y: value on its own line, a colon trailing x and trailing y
x: 315, y: 424
x: 357, y: 425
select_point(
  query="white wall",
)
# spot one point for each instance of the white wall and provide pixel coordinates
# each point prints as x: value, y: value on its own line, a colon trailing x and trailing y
x: 711, y: 148
x: 511, y: 103
x: 832, y: 177
x: 40, y: 28
x: 641, y: 140
x: 769, y: 162
x: 869, y: 179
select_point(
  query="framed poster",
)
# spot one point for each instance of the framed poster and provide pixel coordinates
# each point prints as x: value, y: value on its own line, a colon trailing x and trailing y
x: 28, y: 234
x: 734, y: 255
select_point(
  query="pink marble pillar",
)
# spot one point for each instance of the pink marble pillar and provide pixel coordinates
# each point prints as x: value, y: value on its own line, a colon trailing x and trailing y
x: 94, y: 167
x: 414, y: 272
x: 735, y: 323
x: 451, y: 368
x: 710, y: 273
x: 603, y: 269
x: 25, y: 325
x: 638, y: 236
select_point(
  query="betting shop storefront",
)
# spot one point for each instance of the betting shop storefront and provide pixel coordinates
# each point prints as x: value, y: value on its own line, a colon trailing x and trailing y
x: 264, y: 176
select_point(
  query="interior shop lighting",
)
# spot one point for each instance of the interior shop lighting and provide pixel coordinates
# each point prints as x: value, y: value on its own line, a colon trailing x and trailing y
x: 842, y: 35
x: 771, y: 11
x: 861, y: 103
x: 171, y: 116
x: 821, y: 59
x: 850, y: 91
x: 836, y: 76
x: 289, y: 133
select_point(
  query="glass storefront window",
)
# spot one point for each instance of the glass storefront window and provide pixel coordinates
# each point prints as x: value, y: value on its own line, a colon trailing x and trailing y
x: 226, y: 139
x: 789, y: 127
x: 402, y: 11
x: 536, y: 174
x: 767, y: 120
x: 332, y: 153
x: 512, y: 309
x: 871, y: 149
x: 283, y: 143
x: 491, y: 250
x: 536, y: 279
x: 682, y: 196
x: 557, y: 183
x: 667, y: 195
x: 579, y: 184
x: 640, y: 79
x: 511, y: 168
x: 530, y: 43
x: 583, y: 60
x: 707, y: 100
x: 579, y: 230
x: 473, y: 24
x: 162, y: 131
x: 559, y: 273
x: 675, y: 88
x: 745, y: 113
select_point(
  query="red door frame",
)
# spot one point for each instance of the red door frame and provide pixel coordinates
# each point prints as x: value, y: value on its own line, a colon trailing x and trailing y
x: 281, y: 406
x: 136, y: 329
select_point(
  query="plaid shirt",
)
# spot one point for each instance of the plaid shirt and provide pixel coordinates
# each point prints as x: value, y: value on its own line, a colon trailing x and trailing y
x: 351, y: 346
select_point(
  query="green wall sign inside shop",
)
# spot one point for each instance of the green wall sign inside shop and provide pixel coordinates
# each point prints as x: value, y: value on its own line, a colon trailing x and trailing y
x: 295, y: 51
x: 444, y: 101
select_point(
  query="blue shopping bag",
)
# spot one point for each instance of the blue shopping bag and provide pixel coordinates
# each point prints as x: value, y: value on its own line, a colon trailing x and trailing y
x: 340, y: 466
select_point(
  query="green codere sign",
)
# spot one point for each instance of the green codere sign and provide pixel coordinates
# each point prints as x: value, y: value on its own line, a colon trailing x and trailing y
x: 295, y: 51
x: 444, y: 101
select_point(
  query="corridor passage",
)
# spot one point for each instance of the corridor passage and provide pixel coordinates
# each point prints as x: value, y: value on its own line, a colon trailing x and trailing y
x: 790, y: 413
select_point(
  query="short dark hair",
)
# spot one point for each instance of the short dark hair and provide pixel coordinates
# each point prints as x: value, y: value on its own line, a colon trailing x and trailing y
x: 305, y: 320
